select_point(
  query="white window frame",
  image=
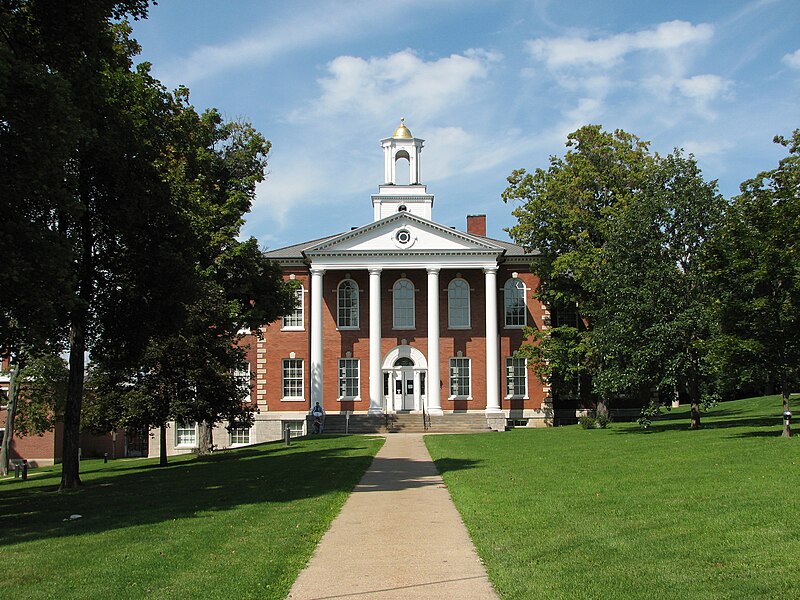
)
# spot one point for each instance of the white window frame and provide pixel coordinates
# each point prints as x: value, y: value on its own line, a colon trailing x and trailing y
x: 295, y: 321
x: 450, y: 288
x: 514, y: 283
x: 457, y: 364
x: 346, y: 377
x: 339, y: 307
x: 237, y: 432
x: 181, y: 429
x: 296, y: 427
x: 240, y: 373
x: 284, y: 379
x: 513, y: 376
x: 395, y: 288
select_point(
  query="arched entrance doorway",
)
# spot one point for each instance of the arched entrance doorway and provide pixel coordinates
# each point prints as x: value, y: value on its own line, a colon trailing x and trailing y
x: 405, y: 372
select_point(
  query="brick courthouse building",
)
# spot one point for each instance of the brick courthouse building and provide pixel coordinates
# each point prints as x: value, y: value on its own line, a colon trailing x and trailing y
x: 401, y: 315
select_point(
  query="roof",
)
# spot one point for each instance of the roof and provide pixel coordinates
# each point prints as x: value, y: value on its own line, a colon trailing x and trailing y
x: 295, y: 252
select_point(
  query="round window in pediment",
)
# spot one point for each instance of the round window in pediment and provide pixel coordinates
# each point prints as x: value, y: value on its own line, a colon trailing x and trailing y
x: 404, y: 237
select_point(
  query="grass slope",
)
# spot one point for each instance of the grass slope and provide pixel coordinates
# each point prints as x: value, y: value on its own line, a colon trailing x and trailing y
x: 240, y: 524
x: 627, y: 513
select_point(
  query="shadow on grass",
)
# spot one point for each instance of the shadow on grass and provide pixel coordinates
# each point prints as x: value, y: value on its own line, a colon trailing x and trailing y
x: 724, y: 418
x: 120, y: 495
x: 124, y: 494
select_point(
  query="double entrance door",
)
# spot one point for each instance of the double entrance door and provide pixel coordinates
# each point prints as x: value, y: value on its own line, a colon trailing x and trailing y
x: 408, y: 389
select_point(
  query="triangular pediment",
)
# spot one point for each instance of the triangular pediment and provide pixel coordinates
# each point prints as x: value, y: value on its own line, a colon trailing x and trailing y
x: 403, y: 232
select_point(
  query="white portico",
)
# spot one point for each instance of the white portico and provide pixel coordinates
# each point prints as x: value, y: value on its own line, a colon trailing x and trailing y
x: 404, y: 375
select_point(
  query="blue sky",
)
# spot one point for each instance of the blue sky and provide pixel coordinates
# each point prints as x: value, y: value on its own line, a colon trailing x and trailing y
x: 490, y: 85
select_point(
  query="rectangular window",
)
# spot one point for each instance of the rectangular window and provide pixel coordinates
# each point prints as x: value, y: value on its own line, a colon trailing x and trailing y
x: 242, y: 375
x: 292, y: 378
x: 240, y: 435
x: 348, y: 377
x: 295, y: 428
x: 516, y: 377
x: 295, y: 320
x: 459, y: 377
x: 186, y: 434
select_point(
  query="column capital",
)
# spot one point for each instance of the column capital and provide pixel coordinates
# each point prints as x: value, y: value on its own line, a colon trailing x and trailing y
x: 492, y: 269
x: 316, y: 271
x: 375, y: 270
x: 432, y: 270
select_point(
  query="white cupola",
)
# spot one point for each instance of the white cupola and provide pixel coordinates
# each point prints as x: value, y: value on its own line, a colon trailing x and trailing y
x: 399, y: 193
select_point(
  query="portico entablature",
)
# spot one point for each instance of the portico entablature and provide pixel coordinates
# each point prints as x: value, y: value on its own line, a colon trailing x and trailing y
x: 403, y: 261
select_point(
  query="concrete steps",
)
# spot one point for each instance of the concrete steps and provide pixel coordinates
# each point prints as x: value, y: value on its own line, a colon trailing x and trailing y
x: 407, y: 423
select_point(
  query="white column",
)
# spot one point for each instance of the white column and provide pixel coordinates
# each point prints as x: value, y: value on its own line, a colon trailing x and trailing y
x: 492, y: 350
x: 375, y: 357
x: 316, y: 336
x: 434, y: 398
x: 417, y: 398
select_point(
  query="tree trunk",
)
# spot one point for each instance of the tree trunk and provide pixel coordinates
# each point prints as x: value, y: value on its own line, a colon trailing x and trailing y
x: 205, y: 438
x: 695, y: 424
x: 693, y: 390
x: 70, y: 466
x: 787, y: 428
x: 602, y: 409
x: 162, y: 446
x: 11, y: 413
x: 79, y: 319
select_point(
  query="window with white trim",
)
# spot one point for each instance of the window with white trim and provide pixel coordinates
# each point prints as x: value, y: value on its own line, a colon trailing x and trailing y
x: 295, y: 320
x: 514, y: 303
x: 240, y: 435
x: 242, y: 375
x: 403, y: 304
x: 348, y: 377
x: 295, y: 428
x: 347, y: 301
x: 516, y: 377
x: 292, y: 378
x: 459, y: 378
x: 458, y: 304
x: 186, y: 434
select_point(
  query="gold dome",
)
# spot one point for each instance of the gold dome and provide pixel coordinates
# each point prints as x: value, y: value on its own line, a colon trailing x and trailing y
x: 402, y: 131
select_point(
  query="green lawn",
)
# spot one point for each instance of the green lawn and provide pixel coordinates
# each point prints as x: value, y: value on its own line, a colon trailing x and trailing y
x: 241, y: 524
x: 624, y: 513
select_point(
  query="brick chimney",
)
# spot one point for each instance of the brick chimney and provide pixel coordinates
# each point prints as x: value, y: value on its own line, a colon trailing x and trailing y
x: 476, y: 225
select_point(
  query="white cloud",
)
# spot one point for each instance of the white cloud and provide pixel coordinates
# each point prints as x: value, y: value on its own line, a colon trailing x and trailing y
x: 606, y: 52
x: 399, y: 82
x: 703, y: 87
x: 707, y: 148
x: 306, y: 28
x: 792, y: 59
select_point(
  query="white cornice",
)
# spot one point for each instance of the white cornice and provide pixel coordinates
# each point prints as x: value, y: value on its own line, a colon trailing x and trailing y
x: 401, y: 217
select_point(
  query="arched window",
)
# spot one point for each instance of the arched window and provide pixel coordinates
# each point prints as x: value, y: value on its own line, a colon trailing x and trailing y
x: 403, y: 304
x: 514, y: 303
x: 347, y: 295
x: 458, y: 304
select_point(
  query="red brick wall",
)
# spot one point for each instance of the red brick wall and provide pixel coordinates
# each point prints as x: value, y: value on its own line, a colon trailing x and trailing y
x: 471, y: 342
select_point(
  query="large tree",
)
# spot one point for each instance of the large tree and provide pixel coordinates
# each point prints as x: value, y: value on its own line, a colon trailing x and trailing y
x: 102, y: 203
x: 756, y: 272
x: 566, y: 212
x: 188, y: 372
x: 654, y: 322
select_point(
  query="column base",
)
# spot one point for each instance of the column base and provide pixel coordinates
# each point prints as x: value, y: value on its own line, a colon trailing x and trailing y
x: 436, y: 412
x: 496, y: 419
x: 373, y: 410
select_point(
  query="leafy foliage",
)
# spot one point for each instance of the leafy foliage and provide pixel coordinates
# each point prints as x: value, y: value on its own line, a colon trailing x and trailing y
x: 621, y: 234
x: 755, y: 267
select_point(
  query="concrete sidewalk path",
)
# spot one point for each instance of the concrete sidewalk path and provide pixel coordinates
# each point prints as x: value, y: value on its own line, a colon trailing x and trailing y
x: 398, y: 536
